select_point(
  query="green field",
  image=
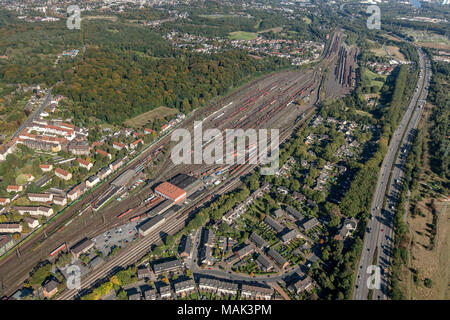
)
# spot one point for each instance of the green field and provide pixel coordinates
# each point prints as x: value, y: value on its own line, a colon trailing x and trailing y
x: 242, y: 35
x: 371, y: 76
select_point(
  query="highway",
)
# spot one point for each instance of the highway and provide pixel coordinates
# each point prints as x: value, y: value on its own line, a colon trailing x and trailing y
x: 379, y: 232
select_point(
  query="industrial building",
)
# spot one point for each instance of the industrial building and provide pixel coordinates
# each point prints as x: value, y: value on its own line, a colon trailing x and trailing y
x: 150, y: 224
x: 170, y: 191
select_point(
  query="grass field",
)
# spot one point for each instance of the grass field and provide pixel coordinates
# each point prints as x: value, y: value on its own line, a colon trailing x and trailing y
x: 274, y: 30
x: 372, y: 76
x: 21, y: 179
x: 217, y: 16
x: 306, y: 20
x: 110, y: 18
x: 149, y: 116
x: 242, y: 35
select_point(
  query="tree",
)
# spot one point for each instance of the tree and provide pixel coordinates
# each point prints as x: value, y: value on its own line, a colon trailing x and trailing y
x: 428, y: 282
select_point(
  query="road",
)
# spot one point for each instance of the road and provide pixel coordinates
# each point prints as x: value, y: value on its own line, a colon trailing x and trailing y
x: 34, y: 114
x: 379, y: 233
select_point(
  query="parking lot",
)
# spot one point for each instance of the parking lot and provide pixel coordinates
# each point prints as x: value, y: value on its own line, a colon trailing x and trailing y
x: 119, y: 236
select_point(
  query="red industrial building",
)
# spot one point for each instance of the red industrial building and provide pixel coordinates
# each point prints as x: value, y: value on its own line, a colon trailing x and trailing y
x: 169, y: 191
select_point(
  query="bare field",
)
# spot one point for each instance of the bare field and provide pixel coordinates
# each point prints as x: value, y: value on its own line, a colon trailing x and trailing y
x: 149, y: 116
x: 428, y: 260
x: 434, y: 263
x: 395, y: 51
x: 378, y: 51
x: 390, y: 37
x: 434, y: 45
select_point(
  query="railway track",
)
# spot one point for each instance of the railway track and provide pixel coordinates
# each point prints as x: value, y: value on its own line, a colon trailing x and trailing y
x: 270, y: 108
x: 137, y: 250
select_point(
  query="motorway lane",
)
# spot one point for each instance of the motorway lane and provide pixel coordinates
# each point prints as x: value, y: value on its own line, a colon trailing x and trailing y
x: 380, y: 219
x: 385, y: 250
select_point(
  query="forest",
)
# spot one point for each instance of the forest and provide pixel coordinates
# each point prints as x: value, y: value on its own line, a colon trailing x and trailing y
x: 114, y: 86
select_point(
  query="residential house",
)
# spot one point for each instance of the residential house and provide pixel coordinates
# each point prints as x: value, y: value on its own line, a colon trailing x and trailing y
x: 103, y: 153
x: 77, y: 191
x: 348, y: 226
x: 256, y: 292
x: 118, y: 146
x: 143, y: 273
x: 185, y: 247
x: 278, y: 213
x: 272, y: 223
x: 184, y: 287
x: 4, y: 201
x: 168, y: 266
x: 63, y: 174
x: 60, y: 201
x: 31, y: 222
x: 150, y: 294
x: 280, y: 261
x: 135, y: 143
x: 298, y: 196
x: 305, y: 284
x: 84, y: 164
x: 294, y: 213
x: 10, y: 228
x: 263, y: 263
x: 258, y: 241
x: 92, y: 181
x: 311, y: 223
x: 35, y: 211
x: 50, y: 289
x: 40, y: 197
x: 103, y: 173
x: 14, y: 188
x: 289, y: 236
x: 165, y: 292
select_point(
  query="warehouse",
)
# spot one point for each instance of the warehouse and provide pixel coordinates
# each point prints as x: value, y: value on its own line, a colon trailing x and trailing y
x: 160, y: 208
x: 150, y: 224
x: 185, y: 182
x: 81, y: 247
x: 171, y: 192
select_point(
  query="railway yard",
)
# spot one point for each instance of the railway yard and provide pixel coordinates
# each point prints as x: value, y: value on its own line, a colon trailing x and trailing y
x: 277, y: 101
